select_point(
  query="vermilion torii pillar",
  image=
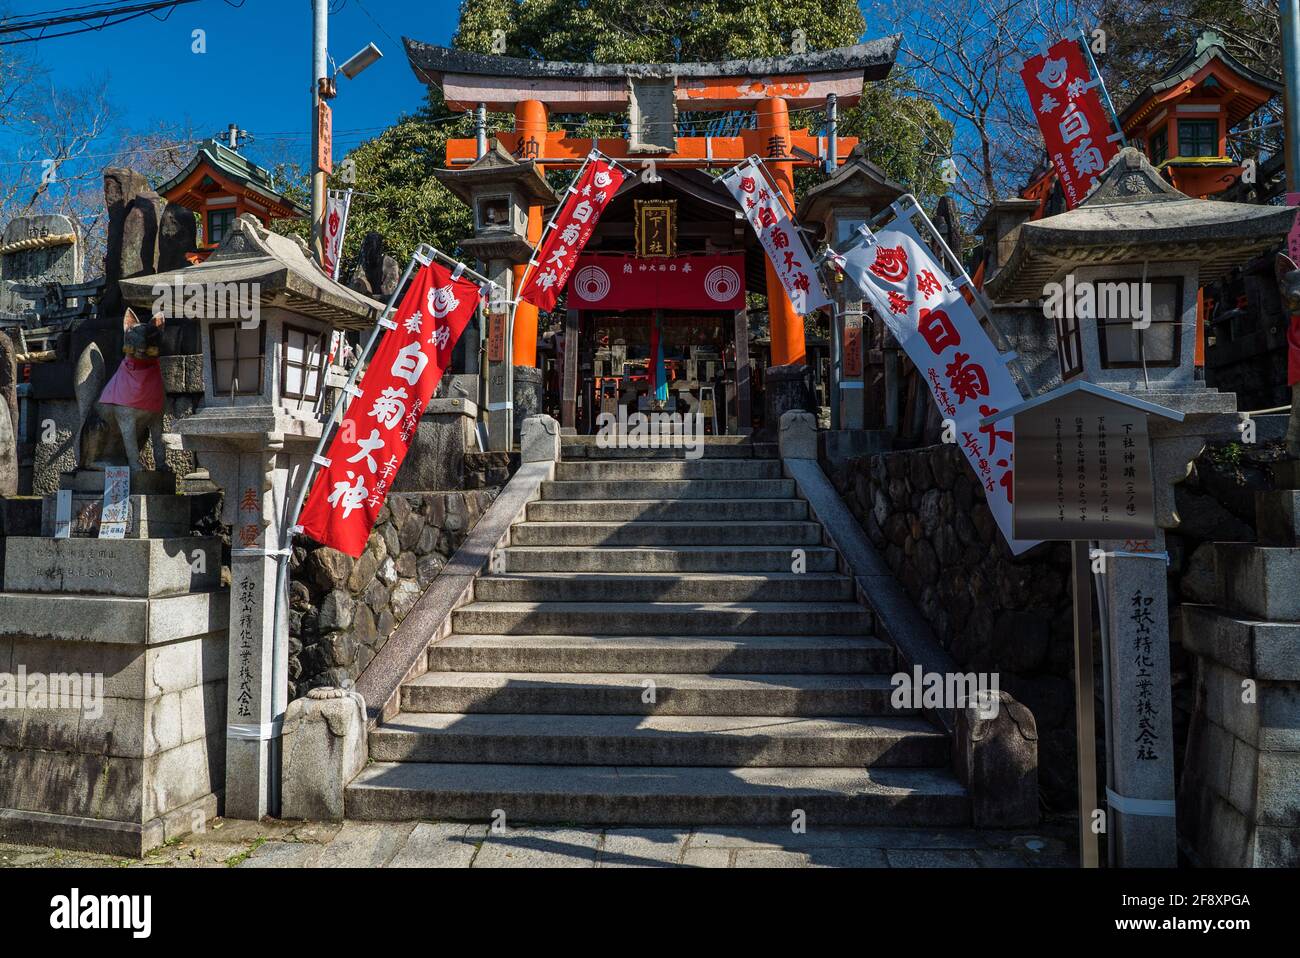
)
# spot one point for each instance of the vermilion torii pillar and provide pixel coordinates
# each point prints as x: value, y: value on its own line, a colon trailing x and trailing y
x: 530, y: 123
x: 788, y: 348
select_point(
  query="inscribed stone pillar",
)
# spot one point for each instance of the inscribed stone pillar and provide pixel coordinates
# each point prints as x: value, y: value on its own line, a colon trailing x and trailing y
x: 1141, y: 711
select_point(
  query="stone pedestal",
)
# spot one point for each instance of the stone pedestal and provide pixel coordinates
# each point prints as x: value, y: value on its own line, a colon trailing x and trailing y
x: 797, y: 435
x: 527, y: 394
x: 995, y: 756
x: 150, y: 516
x: 436, y: 461
x: 785, y: 388
x: 113, y: 678
x: 324, y: 749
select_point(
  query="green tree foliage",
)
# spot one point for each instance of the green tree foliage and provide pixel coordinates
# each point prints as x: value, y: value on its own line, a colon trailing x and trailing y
x: 902, y: 134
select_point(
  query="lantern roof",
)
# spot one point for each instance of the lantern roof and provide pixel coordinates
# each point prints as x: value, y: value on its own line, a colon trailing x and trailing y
x: 803, y: 80
x: 497, y: 168
x: 858, y: 182
x: 279, y: 267
x: 1132, y: 216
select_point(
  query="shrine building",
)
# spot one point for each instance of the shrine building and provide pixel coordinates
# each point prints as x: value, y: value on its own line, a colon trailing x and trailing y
x: 220, y: 185
x: 673, y: 260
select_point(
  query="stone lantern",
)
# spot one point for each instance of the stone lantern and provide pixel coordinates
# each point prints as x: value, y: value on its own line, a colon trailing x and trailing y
x: 847, y: 199
x: 1120, y: 275
x: 266, y: 315
x: 499, y: 190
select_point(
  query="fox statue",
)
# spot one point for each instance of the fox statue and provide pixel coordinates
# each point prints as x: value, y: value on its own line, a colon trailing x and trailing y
x: 132, y: 399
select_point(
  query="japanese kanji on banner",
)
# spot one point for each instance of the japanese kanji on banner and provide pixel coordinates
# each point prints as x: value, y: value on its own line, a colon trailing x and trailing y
x: 616, y: 281
x: 337, y: 204
x: 376, y: 431
x: 781, y: 239
x: 942, y: 335
x: 592, y: 189
x: 1075, y: 122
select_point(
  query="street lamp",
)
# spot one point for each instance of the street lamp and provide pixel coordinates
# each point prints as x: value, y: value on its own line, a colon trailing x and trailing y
x: 359, y: 61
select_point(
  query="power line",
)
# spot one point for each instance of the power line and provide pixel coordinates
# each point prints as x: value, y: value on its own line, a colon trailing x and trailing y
x: 32, y: 26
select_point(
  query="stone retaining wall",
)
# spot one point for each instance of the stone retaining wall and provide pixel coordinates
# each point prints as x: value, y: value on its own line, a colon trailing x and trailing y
x: 993, y: 612
x: 342, y: 610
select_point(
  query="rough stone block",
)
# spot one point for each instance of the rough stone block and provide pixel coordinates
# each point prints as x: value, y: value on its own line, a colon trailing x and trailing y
x: 113, y: 619
x: 798, y: 435
x: 324, y: 748
x: 540, y: 439
x: 996, y: 758
x: 141, y: 568
x: 183, y: 373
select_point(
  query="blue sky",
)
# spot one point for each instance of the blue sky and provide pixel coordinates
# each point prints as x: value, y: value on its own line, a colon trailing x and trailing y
x: 257, y: 68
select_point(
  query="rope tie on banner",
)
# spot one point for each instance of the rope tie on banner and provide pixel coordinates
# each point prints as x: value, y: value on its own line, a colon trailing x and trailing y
x: 323, y: 461
x: 1147, y: 807
x: 456, y: 273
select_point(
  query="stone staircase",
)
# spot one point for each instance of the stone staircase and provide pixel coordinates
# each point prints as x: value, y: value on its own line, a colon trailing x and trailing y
x: 645, y: 655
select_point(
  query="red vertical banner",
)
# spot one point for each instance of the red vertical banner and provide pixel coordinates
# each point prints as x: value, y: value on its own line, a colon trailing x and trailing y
x: 1075, y: 123
x: 376, y: 431
x: 595, y: 186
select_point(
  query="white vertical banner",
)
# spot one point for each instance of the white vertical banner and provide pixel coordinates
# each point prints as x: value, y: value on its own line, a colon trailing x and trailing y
x: 779, y: 234
x: 941, y: 334
x: 337, y: 205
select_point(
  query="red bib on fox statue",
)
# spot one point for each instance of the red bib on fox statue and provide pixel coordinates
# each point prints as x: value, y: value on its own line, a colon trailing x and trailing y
x: 138, y: 380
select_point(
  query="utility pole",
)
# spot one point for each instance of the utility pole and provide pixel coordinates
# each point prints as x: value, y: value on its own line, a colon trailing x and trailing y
x: 319, y: 78
x: 1289, y: 11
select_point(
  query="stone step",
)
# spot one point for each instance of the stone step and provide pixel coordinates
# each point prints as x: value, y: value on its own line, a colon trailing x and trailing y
x: 732, y: 654
x: 669, y: 587
x: 672, y: 740
x: 646, y: 469
x: 603, y: 693
x: 615, y: 795
x: 668, y: 510
x: 665, y: 533
x: 668, y: 489
x: 667, y: 559
x: 660, y: 618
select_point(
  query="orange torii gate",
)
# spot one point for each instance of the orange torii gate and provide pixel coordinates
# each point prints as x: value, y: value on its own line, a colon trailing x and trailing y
x: 652, y: 94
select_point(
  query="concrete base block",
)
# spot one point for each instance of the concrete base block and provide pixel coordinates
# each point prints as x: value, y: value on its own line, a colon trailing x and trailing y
x: 996, y: 758
x: 324, y: 748
x: 540, y: 439
x: 1258, y: 580
x: 104, y: 836
x: 140, y: 568
x: 144, y: 482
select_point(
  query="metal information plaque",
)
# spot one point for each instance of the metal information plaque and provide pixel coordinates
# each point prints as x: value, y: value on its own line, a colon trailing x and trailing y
x: 1083, y: 471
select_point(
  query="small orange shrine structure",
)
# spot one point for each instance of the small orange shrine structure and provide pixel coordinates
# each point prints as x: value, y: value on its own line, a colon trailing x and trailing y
x: 220, y: 185
x: 653, y: 96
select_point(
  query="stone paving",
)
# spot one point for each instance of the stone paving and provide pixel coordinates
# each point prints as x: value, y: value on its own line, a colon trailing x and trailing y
x: 277, y: 844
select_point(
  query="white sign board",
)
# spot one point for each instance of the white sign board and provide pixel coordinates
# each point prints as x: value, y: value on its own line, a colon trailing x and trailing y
x: 117, y: 503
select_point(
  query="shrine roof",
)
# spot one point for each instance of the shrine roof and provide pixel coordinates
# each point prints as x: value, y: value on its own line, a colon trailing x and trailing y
x: 1133, y: 216
x: 286, y: 277
x: 1207, y: 49
x: 804, y: 79
x: 229, y: 164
